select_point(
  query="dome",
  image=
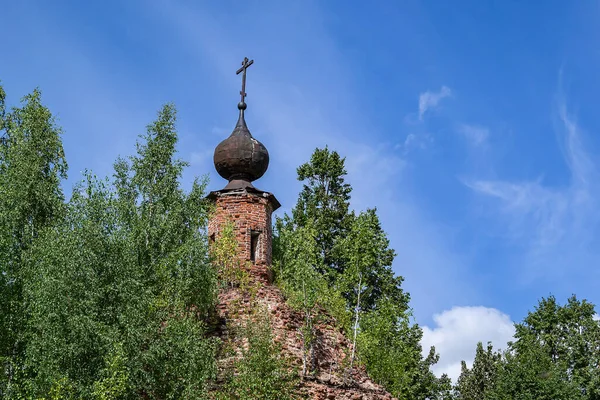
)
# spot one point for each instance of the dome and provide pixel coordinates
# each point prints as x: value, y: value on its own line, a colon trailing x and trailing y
x: 240, y: 156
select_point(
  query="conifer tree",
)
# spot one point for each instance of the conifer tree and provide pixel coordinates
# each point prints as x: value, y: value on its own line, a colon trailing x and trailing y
x: 324, y: 203
x: 353, y: 256
x: 475, y: 383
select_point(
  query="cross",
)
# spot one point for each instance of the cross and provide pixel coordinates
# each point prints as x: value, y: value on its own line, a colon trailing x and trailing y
x: 245, y: 64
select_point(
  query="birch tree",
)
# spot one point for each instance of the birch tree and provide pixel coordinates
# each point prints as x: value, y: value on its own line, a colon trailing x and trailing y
x: 304, y: 286
x: 32, y: 167
x: 118, y: 293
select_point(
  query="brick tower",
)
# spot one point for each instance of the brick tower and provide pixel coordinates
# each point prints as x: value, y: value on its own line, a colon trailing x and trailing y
x: 241, y: 159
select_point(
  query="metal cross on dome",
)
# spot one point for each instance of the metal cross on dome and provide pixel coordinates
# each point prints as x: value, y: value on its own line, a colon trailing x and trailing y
x: 245, y: 64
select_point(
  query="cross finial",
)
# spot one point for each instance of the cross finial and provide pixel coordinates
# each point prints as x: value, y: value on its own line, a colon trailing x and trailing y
x: 245, y: 64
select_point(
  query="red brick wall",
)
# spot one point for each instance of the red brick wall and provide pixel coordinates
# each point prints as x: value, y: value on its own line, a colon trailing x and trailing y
x: 248, y: 212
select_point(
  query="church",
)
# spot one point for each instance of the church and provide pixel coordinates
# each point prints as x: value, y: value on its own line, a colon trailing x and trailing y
x: 241, y: 159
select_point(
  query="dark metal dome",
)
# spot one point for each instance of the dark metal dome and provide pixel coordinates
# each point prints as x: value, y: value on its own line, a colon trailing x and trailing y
x: 240, y: 156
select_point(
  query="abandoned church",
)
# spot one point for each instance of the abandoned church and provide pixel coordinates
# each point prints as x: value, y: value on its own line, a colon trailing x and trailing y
x: 241, y: 159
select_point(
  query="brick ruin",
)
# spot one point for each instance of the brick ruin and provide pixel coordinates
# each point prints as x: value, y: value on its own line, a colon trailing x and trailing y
x: 250, y: 212
x: 241, y: 159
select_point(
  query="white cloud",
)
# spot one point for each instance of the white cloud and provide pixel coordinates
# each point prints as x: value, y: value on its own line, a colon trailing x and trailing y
x: 476, y: 135
x: 457, y: 332
x: 429, y: 100
x: 557, y: 226
x: 415, y: 141
x: 295, y: 106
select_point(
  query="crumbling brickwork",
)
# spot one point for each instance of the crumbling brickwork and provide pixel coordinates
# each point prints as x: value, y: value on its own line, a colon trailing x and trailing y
x: 332, y: 347
x: 250, y: 214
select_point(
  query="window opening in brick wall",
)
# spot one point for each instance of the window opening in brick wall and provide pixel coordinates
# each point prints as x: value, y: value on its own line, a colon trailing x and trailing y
x: 254, y: 235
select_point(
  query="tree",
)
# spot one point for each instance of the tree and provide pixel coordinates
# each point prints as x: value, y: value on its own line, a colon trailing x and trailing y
x: 555, y: 354
x: 530, y: 374
x: 32, y: 166
x: 477, y: 382
x: 360, y: 255
x: 390, y: 348
x: 230, y: 269
x: 261, y: 371
x: 324, y: 203
x: 349, y: 255
x: 122, y: 287
x: 304, y: 287
x: 366, y: 241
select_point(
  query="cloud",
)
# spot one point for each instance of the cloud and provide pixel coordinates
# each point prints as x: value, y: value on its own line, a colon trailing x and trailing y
x: 99, y: 111
x: 415, y: 141
x: 457, y: 332
x: 557, y: 226
x: 295, y: 105
x: 476, y: 135
x: 430, y: 100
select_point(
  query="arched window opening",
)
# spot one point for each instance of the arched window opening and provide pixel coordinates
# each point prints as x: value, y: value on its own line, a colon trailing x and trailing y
x: 254, y: 236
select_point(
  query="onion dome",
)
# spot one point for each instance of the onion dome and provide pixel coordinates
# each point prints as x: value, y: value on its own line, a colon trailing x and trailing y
x: 241, y: 157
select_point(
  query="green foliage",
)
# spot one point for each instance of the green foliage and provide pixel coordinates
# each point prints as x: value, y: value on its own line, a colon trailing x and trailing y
x: 390, y: 349
x: 555, y: 356
x: 530, y: 374
x: 324, y: 203
x: 62, y: 389
x: 365, y: 251
x: 360, y: 255
x: 32, y: 166
x: 2, y: 107
x: 305, y: 288
x: 443, y: 389
x: 231, y: 270
x: 568, y: 334
x: 108, y: 295
x: 114, y: 377
x: 261, y: 372
x: 117, y: 292
x: 326, y: 256
x: 476, y: 383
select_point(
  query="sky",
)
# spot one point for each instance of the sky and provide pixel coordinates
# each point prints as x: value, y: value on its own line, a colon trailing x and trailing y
x: 471, y: 126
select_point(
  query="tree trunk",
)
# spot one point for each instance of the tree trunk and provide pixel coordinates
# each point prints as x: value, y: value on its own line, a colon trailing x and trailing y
x: 356, y: 319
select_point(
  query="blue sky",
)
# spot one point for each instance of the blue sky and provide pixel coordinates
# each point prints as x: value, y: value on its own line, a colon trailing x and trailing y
x: 470, y: 125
